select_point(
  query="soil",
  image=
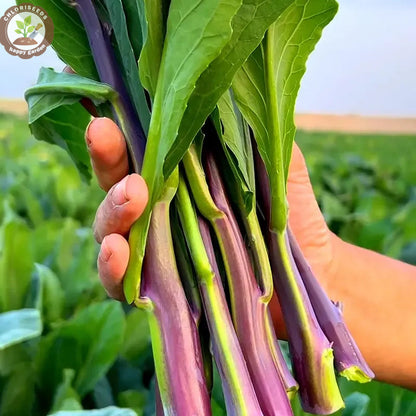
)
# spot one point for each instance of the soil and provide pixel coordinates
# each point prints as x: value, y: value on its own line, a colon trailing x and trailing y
x: 355, y: 124
x: 10, y: 106
x: 25, y: 41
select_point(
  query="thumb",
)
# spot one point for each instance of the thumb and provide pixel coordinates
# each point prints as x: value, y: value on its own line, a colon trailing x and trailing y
x: 305, y: 217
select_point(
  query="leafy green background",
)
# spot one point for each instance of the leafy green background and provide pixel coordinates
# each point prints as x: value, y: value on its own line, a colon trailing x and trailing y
x: 95, y: 353
x: 366, y: 188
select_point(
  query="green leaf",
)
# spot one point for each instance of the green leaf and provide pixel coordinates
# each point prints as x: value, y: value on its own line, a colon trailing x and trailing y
x: 70, y: 251
x: 119, y: 25
x: 56, y: 116
x: 103, y: 393
x: 137, y: 336
x: 13, y: 357
x: 19, y: 32
x: 149, y: 62
x: 20, y: 24
x: 384, y: 399
x: 15, y: 268
x: 196, y: 33
x: 296, y: 34
x: 107, y: 411
x: 134, y: 11
x: 28, y: 20
x: 30, y: 29
x: 51, y: 294
x: 18, y: 326
x: 249, y: 25
x: 66, y: 398
x: 88, y: 343
x: 332, y: 207
x: 235, y: 138
x: 69, y: 40
x: 54, y: 89
x: 266, y: 88
x: 18, y: 394
x: 80, y: 277
x: 356, y: 404
x: 133, y: 399
x: 65, y: 126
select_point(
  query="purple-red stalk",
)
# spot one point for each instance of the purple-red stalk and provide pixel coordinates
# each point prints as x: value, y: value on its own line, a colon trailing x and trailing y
x: 109, y: 72
x: 249, y: 311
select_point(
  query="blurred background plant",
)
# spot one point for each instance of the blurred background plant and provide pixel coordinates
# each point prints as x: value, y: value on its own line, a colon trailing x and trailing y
x: 65, y: 347
x: 366, y: 188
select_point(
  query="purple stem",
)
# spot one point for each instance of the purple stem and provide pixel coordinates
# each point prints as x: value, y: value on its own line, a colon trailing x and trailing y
x: 175, y: 340
x: 310, y: 350
x: 249, y: 311
x: 109, y: 73
x: 348, y: 358
x: 349, y: 361
x: 309, y: 347
x: 262, y: 183
x: 236, y: 353
x: 190, y: 286
x: 158, y: 401
x: 289, y: 382
x: 186, y: 272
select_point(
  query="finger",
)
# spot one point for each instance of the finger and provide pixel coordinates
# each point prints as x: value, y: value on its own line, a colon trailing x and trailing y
x: 299, y: 187
x: 305, y: 217
x: 122, y: 206
x: 298, y: 172
x: 112, y: 264
x: 300, y: 194
x: 108, y: 151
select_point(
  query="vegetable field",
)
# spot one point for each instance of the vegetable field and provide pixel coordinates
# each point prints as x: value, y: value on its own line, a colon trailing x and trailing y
x: 366, y: 187
x: 66, y: 347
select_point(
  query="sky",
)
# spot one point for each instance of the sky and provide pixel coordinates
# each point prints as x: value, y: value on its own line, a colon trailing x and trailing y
x: 364, y: 64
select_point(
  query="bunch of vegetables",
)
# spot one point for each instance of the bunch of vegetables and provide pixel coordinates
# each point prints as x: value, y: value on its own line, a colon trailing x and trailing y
x: 204, y: 92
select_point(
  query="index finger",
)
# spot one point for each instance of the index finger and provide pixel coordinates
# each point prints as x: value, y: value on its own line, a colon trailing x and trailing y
x: 108, y: 151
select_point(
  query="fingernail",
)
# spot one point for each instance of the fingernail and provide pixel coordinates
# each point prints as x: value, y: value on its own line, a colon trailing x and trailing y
x: 105, y: 253
x: 94, y: 121
x: 87, y: 135
x: 119, y: 194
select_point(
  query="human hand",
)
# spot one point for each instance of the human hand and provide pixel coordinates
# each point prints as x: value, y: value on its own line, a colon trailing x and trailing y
x: 125, y: 201
x: 307, y: 222
x: 127, y: 197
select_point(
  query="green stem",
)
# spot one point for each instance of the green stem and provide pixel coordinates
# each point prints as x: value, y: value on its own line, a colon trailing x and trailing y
x: 260, y: 255
x: 265, y: 276
x: 186, y: 271
x: 228, y: 355
x: 279, y: 214
x: 199, y: 186
x: 190, y: 285
x: 302, y: 313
